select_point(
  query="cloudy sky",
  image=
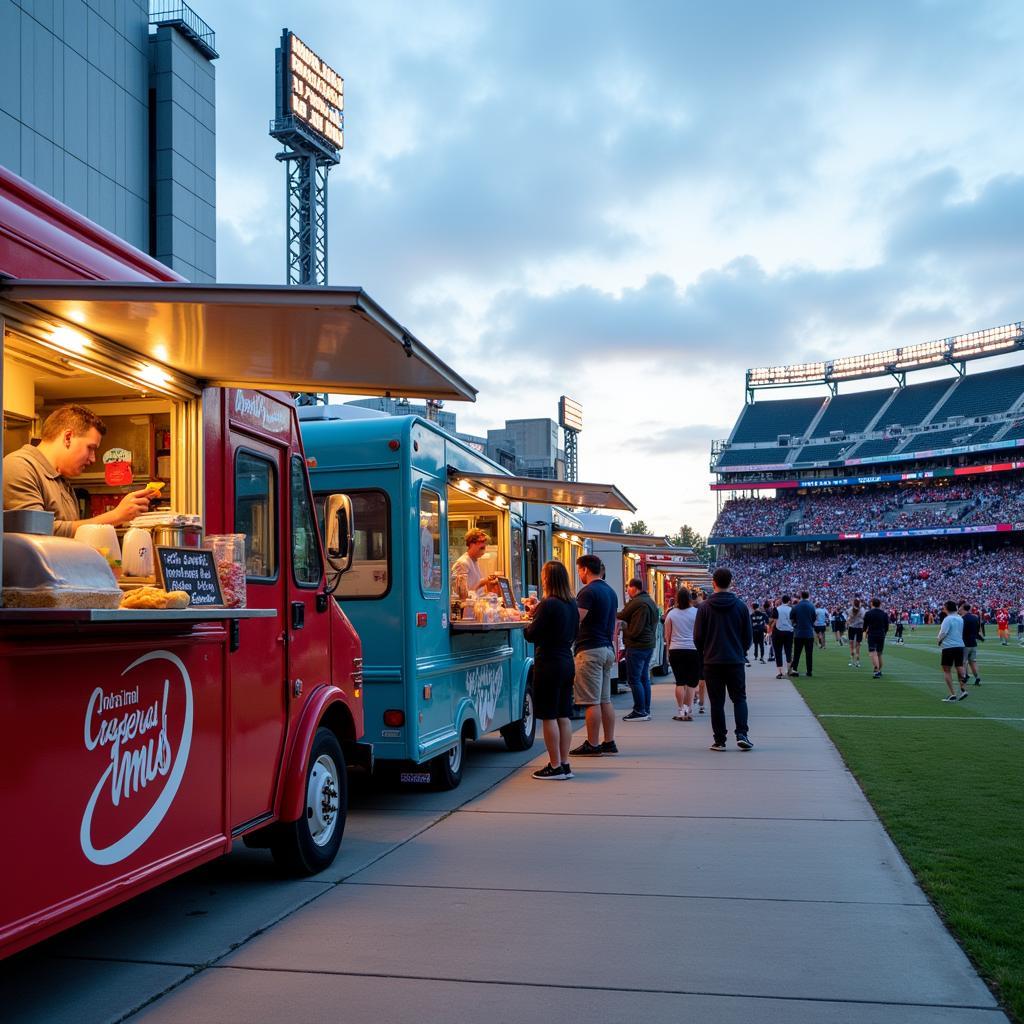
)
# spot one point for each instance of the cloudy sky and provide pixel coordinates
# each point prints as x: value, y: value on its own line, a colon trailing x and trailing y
x: 632, y: 203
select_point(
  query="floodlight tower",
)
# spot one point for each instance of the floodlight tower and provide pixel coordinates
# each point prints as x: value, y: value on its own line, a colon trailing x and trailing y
x: 309, y: 123
x: 570, y: 419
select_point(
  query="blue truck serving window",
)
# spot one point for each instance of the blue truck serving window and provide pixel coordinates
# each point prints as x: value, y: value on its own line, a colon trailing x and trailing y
x: 430, y: 540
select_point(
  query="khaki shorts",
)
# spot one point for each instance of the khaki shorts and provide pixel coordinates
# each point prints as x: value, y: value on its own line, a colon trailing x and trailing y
x: 593, y: 683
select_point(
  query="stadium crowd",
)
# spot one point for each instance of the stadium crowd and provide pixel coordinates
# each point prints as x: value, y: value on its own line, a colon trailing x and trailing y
x: 898, y: 507
x: 906, y: 580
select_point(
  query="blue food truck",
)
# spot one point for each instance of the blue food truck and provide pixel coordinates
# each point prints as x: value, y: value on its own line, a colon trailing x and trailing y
x: 407, y: 493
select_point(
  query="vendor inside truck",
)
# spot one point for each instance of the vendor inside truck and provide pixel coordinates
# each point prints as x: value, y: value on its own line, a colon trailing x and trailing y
x: 38, y: 476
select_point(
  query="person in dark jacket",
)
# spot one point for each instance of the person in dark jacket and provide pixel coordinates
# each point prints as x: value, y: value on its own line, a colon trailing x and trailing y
x: 804, y: 615
x: 641, y: 617
x: 552, y: 630
x: 876, y: 625
x: 722, y: 633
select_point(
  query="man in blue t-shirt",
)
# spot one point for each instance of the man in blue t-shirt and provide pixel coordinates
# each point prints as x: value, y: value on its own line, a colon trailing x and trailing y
x: 595, y: 658
x: 803, y: 617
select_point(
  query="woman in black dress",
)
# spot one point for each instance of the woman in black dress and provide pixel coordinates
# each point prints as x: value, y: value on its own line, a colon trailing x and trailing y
x: 552, y: 631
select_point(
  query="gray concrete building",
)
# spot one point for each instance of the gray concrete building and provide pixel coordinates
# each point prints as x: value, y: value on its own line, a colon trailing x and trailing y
x: 108, y: 105
x: 403, y: 407
x: 534, y: 443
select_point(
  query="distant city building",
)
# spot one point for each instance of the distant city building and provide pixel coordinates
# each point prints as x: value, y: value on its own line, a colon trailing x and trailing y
x: 533, y: 446
x: 403, y: 407
x: 110, y: 109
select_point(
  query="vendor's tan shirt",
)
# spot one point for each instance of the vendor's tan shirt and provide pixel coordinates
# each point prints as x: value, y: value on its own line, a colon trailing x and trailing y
x: 30, y: 482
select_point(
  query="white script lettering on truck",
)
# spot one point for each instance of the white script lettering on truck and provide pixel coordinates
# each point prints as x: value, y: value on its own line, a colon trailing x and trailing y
x: 483, y: 684
x: 130, y: 726
x: 254, y: 408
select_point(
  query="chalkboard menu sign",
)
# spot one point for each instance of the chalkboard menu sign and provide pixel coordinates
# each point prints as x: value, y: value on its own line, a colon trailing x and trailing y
x: 508, y: 599
x: 192, y: 570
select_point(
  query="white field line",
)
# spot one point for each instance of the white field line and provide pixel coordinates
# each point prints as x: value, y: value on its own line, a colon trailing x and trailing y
x: 930, y: 718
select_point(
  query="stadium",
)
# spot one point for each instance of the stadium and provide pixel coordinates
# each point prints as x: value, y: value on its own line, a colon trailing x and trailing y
x: 912, y: 492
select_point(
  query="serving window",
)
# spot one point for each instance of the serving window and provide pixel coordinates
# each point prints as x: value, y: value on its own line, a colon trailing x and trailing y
x: 147, y: 437
x: 255, y: 507
x: 468, y: 512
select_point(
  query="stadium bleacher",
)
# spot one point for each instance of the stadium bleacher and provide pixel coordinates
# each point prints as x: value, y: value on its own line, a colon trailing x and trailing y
x: 764, y: 421
x: 822, y: 452
x: 1015, y: 432
x: 753, y: 457
x: 875, y: 447
x: 912, y: 405
x: 932, y: 440
x: 979, y: 394
x: 851, y: 412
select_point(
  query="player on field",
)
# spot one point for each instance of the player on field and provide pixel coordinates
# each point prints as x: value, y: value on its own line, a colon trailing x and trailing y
x: 951, y: 641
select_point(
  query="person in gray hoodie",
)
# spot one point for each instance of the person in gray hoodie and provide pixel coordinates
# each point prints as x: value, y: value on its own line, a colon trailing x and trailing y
x: 722, y: 633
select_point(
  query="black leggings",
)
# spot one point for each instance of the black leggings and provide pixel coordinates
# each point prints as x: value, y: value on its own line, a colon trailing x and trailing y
x: 758, y: 643
x: 804, y: 643
x: 782, y: 641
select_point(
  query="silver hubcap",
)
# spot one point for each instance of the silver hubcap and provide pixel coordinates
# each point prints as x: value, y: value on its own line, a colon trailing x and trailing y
x: 455, y: 757
x: 528, y: 713
x: 322, y: 800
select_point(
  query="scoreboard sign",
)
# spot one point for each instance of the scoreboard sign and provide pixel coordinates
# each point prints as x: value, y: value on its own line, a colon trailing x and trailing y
x: 310, y: 91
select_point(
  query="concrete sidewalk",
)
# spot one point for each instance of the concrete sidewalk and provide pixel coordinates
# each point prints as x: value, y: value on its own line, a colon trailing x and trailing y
x: 665, y: 884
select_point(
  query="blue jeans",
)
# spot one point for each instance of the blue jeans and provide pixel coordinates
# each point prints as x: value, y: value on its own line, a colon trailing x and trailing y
x: 638, y: 671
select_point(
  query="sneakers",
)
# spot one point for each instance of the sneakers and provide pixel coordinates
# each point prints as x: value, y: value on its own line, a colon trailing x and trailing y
x: 567, y: 771
x: 876, y: 675
x: 780, y: 676
x: 743, y: 742
x: 977, y: 680
x: 951, y: 699
x: 963, y: 694
x: 793, y: 672
x: 586, y: 749
x: 551, y: 772
x: 702, y: 709
x: 851, y: 663
x: 609, y: 747
x: 717, y: 746
x: 636, y: 716
x: 678, y: 718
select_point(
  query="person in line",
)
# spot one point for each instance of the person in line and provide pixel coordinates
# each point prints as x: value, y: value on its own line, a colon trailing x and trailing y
x: 876, y: 625
x: 467, y: 578
x: 803, y: 617
x: 39, y: 476
x: 782, y: 634
x: 839, y: 625
x: 821, y: 626
x: 554, y: 623
x: 682, y: 654
x: 855, y: 628
x: 758, y: 622
x: 722, y: 634
x: 951, y: 642
x: 595, y: 658
x: 640, y: 615
x: 974, y: 630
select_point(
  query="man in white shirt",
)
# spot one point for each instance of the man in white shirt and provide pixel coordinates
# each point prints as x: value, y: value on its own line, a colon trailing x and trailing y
x: 467, y: 577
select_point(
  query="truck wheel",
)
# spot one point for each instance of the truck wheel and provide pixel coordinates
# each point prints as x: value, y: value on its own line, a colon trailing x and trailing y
x: 446, y: 768
x: 520, y: 735
x: 310, y: 844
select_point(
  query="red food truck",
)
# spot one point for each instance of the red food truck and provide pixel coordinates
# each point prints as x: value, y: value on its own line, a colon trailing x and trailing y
x: 144, y: 742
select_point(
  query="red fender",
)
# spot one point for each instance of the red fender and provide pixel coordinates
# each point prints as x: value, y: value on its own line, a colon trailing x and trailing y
x: 319, y: 703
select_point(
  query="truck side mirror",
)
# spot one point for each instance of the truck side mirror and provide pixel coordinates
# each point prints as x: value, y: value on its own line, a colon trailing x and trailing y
x: 339, y: 527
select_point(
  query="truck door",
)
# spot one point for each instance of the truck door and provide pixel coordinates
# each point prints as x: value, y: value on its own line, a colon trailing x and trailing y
x: 260, y: 475
x: 308, y: 623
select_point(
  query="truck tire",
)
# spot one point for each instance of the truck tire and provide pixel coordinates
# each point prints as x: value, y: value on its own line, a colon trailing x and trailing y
x: 520, y: 735
x: 446, y: 768
x: 310, y: 844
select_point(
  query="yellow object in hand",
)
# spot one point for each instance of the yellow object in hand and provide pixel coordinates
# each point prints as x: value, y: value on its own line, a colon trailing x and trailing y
x: 155, y: 485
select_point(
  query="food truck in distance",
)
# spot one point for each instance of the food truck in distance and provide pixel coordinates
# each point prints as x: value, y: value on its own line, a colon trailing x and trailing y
x: 150, y: 739
x: 440, y: 667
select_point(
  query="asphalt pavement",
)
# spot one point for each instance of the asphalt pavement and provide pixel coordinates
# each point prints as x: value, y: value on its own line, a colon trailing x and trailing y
x: 667, y: 883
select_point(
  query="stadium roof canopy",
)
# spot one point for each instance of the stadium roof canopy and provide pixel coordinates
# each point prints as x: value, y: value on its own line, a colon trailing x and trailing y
x: 953, y: 351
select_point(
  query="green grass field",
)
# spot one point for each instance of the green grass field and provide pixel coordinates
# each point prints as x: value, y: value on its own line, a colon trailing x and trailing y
x: 947, y: 780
